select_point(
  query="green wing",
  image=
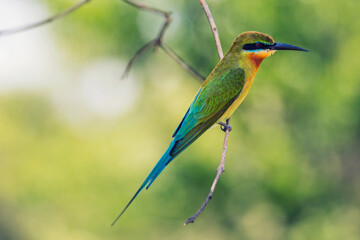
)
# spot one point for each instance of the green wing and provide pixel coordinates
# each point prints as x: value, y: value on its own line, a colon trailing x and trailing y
x: 211, y: 102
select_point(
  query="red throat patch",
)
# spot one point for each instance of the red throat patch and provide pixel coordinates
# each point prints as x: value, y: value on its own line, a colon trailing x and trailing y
x: 257, y: 57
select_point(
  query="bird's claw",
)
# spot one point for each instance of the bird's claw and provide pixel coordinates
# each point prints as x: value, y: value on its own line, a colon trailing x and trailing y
x: 224, y: 127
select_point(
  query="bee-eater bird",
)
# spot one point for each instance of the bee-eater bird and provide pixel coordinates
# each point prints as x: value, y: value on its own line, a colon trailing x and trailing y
x: 219, y: 96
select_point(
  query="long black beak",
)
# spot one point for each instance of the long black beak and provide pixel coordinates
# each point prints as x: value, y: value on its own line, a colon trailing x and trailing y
x: 284, y: 46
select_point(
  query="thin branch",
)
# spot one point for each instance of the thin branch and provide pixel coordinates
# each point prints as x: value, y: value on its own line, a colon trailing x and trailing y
x: 219, y: 171
x: 213, y: 28
x: 227, y: 128
x: 45, y: 21
x: 147, y: 8
x: 182, y: 63
x: 158, y: 42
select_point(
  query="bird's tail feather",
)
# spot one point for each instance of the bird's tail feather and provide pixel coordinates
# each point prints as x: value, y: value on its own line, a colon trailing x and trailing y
x: 159, y: 167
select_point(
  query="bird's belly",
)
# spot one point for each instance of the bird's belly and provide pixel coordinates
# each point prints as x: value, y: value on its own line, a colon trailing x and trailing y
x: 238, y: 101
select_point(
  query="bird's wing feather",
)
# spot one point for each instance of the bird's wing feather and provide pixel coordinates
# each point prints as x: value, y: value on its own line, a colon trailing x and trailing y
x: 209, y: 105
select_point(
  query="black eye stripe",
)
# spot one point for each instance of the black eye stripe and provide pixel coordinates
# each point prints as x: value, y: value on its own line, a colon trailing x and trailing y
x: 257, y: 45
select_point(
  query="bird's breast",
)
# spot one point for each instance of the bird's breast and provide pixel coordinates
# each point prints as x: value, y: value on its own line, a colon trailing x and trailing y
x: 248, y: 83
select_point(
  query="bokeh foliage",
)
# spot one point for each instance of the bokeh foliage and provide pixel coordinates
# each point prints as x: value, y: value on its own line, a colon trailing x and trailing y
x: 293, y: 159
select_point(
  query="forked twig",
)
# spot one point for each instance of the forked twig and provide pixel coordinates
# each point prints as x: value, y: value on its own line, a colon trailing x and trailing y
x: 45, y: 21
x: 153, y: 43
x: 158, y: 42
x: 221, y: 167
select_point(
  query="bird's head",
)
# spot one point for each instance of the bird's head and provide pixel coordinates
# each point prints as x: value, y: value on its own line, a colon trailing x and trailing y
x: 257, y: 46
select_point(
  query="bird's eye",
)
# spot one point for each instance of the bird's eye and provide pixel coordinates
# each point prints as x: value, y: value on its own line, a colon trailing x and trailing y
x: 254, y: 46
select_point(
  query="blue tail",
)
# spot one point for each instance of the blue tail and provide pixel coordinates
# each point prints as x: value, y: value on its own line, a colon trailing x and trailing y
x: 159, y: 167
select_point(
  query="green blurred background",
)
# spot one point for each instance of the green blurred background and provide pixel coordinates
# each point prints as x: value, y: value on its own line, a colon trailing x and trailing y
x: 76, y: 141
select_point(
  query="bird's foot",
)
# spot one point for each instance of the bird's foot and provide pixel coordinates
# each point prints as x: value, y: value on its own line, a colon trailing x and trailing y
x: 225, y: 127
